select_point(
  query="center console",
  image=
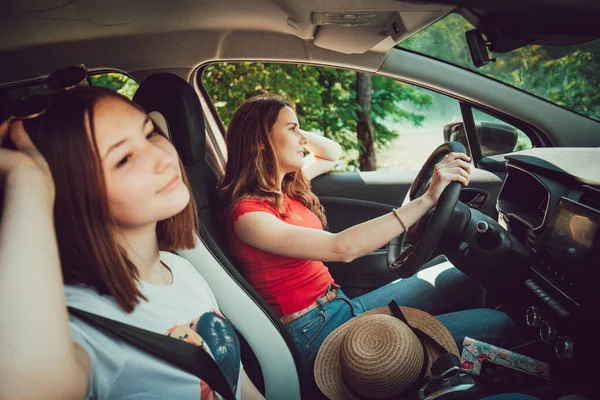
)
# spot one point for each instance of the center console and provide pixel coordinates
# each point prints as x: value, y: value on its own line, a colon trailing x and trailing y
x: 568, y: 255
x: 564, y: 282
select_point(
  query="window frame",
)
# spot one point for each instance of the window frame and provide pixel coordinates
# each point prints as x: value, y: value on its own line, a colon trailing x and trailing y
x: 39, y: 81
x: 536, y: 136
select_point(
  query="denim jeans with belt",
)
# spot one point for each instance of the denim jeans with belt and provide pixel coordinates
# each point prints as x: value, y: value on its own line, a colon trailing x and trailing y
x: 438, y: 290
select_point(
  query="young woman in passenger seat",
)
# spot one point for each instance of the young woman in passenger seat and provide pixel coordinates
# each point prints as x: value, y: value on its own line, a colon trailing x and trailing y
x: 275, y: 228
x: 99, y: 206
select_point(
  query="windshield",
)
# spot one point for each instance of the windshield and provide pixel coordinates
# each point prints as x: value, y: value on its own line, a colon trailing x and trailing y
x: 564, y: 75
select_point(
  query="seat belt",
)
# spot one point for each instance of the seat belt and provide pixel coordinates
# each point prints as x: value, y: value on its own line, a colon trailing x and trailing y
x: 186, y: 356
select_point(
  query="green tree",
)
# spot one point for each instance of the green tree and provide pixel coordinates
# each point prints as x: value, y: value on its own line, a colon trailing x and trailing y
x: 325, y: 98
x: 565, y: 75
x: 364, y: 126
x: 117, y: 82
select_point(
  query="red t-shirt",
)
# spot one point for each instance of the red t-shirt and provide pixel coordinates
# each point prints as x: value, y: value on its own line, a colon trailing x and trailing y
x: 287, y: 284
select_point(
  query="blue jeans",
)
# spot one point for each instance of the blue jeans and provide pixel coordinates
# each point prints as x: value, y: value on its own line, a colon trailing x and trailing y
x: 438, y: 289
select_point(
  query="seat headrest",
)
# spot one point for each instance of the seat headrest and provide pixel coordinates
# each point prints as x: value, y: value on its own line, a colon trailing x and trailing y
x: 176, y: 100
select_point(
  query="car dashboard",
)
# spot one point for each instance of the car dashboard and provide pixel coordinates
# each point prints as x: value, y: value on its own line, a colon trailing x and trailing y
x: 550, y: 202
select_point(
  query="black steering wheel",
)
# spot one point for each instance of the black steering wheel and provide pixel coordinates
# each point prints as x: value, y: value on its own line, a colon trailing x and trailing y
x: 423, y: 238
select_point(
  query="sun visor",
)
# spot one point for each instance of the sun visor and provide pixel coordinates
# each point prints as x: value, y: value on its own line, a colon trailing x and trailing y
x: 354, y: 40
x: 511, y: 24
x: 357, y: 33
x: 508, y: 32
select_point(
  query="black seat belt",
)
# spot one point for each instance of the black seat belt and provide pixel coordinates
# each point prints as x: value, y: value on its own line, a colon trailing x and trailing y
x: 186, y: 356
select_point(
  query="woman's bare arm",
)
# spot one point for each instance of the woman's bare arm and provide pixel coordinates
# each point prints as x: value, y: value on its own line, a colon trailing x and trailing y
x: 38, y: 360
x: 266, y: 232
x: 324, y: 155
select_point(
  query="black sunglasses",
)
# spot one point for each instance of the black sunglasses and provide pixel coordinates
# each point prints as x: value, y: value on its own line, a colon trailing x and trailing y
x: 33, y: 106
x: 60, y: 80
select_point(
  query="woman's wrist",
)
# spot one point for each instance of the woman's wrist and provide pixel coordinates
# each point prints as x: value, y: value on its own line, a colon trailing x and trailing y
x: 427, y: 200
x: 27, y: 184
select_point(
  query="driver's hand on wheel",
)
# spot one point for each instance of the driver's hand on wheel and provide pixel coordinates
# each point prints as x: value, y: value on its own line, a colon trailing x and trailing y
x: 454, y: 167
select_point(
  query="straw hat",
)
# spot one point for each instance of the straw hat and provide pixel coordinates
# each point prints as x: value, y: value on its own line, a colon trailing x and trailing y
x: 376, y: 355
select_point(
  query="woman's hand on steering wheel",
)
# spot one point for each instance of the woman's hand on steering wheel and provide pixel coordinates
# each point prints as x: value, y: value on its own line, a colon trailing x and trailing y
x: 454, y: 167
x: 438, y: 183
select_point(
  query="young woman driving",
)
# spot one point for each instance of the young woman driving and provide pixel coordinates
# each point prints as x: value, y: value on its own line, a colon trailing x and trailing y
x: 95, y: 195
x: 276, y: 233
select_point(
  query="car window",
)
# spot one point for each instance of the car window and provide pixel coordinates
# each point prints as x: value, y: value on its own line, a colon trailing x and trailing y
x: 121, y: 83
x: 564, y: 75
x: 406, y: 121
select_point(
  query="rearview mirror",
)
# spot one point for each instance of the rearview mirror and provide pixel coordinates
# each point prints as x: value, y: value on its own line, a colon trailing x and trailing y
x: 478, y: 48
x: 494, y: 137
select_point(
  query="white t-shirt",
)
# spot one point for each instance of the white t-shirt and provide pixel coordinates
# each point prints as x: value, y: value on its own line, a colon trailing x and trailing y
x: 186, y: 309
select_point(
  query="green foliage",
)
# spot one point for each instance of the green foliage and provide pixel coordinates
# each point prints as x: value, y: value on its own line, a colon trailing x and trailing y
x: 386, y: 97
x: 565, y: 75
x: 117, y: 82
x: 325, y: 98
x: 444, y: 40
x: 112, y: 80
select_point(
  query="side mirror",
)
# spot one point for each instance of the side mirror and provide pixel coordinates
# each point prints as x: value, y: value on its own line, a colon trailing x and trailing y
x: 494, y: 137
x: 455, y: 132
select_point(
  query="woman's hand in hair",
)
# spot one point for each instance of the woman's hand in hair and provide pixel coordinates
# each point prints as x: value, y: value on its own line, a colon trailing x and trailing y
x: 454, y: 167
x: 25, y: 165
x: 324, y: 154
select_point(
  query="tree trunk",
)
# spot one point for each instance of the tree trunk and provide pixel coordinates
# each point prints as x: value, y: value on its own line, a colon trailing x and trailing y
x: 364, y: 127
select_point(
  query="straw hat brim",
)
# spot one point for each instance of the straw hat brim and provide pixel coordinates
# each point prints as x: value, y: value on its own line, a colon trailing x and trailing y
x: 328, y: 366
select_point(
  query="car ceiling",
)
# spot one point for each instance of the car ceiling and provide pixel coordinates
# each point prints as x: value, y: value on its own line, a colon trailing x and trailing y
x: 142, y: 36
x: 38, y: 36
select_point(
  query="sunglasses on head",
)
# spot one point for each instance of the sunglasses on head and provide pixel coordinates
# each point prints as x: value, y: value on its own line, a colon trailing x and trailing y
x: 61, y: 80
x: 33, y: 106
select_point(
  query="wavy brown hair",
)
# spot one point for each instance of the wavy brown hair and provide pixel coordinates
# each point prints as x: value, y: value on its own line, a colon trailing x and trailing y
x: 252, y: 165
x: 89, y: 253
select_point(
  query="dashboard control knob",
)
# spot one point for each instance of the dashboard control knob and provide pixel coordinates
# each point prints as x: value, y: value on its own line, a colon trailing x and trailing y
x: 533, y: 316
x: 563, y: 348
x: 482, y: 227
x: 547, y: 331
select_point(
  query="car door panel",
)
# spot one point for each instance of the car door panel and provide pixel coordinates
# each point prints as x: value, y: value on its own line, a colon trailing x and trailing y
x: 363, y: 274
x: 354, y: 197
x: 386, y: 186
x: 343, y: 213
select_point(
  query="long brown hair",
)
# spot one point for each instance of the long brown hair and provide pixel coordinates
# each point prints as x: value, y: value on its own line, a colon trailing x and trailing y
x: 89, y: 253
x: 252, y: 165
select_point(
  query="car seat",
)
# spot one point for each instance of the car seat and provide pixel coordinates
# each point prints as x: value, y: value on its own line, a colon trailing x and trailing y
x: 178, y: 105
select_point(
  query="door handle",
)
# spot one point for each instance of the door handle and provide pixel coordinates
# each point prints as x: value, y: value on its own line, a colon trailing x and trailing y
x: 474, y: 198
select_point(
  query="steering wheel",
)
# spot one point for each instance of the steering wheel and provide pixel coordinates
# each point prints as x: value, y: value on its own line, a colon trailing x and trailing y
x: 424, y: 236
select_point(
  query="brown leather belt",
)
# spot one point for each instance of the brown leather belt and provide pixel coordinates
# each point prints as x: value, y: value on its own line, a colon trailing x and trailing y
x: 286, y: 319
